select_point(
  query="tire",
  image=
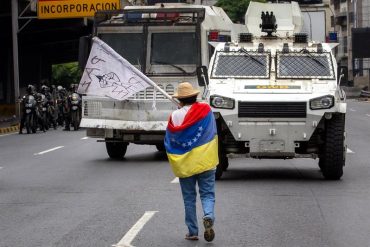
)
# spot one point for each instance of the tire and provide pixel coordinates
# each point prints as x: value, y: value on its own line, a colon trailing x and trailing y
x: 160, y: 147
x: 222, y: 166
x: 223, y: 160
x: 333, y: 157
x: 219, y: 171
x: 116, y: 150
x: 321, y: 163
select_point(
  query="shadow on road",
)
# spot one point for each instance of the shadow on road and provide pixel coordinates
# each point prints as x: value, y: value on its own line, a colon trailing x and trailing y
x: 147, y: 157
x: 273, y: 174
x: 152, y: 157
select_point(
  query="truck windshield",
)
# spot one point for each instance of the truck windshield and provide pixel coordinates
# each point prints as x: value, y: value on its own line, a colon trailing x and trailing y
x: 304, y: 65
x: 129, y: 45
x: 176, y: 51
x: 241, y: 64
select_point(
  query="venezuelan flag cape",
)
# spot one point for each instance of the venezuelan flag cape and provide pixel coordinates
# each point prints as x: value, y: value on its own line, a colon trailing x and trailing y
x: 192, y: 147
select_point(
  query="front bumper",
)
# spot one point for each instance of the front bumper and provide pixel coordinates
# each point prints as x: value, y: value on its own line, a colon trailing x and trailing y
x: 272, y: 137
x: 124, y: 125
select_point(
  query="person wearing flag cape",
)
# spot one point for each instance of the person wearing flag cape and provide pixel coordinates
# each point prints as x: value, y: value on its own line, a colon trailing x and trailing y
x: 191, y: 144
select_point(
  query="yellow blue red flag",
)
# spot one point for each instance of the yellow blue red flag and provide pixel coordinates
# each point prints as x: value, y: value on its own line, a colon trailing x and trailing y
x: 192, y: 147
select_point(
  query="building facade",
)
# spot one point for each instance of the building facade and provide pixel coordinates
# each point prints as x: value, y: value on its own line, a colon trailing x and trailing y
x: 349, y: 14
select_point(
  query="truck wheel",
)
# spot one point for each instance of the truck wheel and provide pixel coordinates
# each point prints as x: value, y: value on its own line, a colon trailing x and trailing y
x: 116, y: 150
x: 219, y: 171
x: 222, y: 166
x: 160, y: 147
x: 321, y: 163
x: 333, y: 158
x: 225, y: 162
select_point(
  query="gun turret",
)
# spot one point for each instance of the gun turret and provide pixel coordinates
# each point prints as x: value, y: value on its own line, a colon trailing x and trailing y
x: 268, y: 25
x: 278, y: 19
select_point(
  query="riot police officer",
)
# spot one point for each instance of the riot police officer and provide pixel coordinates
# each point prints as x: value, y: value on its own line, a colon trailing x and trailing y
x: 28, y: 99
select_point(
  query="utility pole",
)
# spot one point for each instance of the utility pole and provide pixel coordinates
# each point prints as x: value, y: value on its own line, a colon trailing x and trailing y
x: 15, y: 53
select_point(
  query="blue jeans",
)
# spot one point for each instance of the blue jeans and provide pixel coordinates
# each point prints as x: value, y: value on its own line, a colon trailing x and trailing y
x: 206, y: 184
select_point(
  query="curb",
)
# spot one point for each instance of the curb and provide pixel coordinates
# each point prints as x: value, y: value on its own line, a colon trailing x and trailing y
x: 9, y: 129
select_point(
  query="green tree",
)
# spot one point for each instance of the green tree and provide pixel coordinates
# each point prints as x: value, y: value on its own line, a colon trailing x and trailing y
x: 65, y: 74
x: 235, y: 9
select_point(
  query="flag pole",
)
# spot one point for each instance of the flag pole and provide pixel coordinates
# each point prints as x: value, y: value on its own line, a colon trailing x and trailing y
x: 163, y: 92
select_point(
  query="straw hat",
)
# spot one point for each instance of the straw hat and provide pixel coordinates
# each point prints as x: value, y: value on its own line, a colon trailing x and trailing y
x: 185, y: 90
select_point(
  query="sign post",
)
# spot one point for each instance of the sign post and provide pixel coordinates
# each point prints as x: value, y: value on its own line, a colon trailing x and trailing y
x: 15, y: 56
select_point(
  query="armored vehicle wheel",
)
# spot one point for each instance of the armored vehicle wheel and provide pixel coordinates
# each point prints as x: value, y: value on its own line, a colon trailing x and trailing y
x: 321, y: 163
x: 116, y: 150
x: 225, y: 162
x: 222, y: 166
x: 160, y: 147
x: 219, y: 171
x: 333, y: 157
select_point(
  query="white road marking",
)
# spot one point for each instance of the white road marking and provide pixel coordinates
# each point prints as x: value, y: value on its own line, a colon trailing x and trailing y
x: 135, y: 229
x: 1, y: 167
x: 175, y: 181
x: 84, y: 138
x: 351, y: 109
x: 349, y: 151
x: 49, y: 150
x: 368, y: 115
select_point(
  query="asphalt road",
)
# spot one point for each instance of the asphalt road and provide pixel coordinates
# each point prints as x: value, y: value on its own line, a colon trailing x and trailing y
x: 60, y: 189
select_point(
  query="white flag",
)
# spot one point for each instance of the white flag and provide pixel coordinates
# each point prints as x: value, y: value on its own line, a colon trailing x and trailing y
x: 108, y: 74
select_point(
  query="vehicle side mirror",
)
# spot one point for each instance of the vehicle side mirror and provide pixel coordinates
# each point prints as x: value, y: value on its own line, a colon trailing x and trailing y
x: 342, y: 75
x: 83, y: 51
x: 202, y: 74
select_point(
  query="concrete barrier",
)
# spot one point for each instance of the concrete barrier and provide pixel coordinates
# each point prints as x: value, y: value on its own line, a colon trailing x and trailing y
x: 10, y: 129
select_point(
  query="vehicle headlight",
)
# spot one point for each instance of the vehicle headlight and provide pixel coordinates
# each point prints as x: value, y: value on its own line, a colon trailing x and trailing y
x: 74, y: 97
x: 222, y: 102
x: 324, y: 102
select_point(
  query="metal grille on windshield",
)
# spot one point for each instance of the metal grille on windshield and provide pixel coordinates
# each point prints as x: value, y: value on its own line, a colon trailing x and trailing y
x: 304, y: 65
x: 239, y: 64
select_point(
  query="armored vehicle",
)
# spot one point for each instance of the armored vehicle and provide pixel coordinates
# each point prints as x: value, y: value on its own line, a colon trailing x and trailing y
x: 276, y: 94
